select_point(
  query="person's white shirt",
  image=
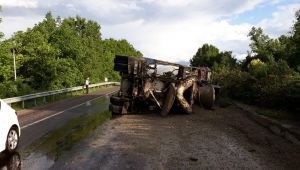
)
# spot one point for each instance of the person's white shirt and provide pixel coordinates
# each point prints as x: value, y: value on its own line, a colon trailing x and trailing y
x: 87, y: 82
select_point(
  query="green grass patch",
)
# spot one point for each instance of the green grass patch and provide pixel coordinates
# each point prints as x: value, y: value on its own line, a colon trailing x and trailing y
x: 64, y: 138
x: 278, y: 114
x: 224, y: 101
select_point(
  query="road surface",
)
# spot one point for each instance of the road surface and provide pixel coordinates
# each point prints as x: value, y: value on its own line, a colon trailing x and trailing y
x: 224, y: 138
x: 38, y: 121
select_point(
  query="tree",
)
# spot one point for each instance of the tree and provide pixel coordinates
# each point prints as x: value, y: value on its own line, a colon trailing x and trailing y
x: 58, y: 53
x: 1, y: 33
x: 112, y: 47
x: 294, y: 58
x: 205, y: 56
x: 260, y: 44
x: 209, y: 55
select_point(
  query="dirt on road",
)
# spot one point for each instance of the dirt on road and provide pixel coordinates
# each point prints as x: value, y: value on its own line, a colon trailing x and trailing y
x: 224, y: 138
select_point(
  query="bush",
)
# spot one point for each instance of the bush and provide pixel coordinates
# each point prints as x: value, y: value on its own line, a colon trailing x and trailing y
x: 14, y: 88
x: 280, y: 88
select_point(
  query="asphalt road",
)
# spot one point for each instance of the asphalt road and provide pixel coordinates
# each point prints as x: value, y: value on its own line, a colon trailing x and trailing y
x: 38, y: 121
x: 224, y: 138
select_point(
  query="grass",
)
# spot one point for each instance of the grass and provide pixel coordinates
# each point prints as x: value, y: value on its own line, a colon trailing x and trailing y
x: 50, y: 99
x: 278, y: 114
x: 64, y: 138
x: 224, y: 101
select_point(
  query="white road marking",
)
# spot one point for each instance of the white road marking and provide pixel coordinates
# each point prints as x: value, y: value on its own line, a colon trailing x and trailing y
x: 58, y: 113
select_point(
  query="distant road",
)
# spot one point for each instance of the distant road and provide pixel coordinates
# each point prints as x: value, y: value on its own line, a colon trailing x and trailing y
x: 38, y: 121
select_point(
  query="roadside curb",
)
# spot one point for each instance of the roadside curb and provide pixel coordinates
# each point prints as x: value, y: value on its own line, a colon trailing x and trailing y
x: 286, y: 131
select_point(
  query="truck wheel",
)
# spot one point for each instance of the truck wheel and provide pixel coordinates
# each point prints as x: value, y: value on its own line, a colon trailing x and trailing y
x: 115, y: 100
x: 207, y: 96
x: 169, y: 100
x: 115, y: 109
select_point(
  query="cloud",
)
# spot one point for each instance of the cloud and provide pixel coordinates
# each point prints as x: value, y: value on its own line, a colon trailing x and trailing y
x: 12, y: 24
x: 281, y: 21
x: 180, y: 40
x: 171, y: 30
x: 19, y: 3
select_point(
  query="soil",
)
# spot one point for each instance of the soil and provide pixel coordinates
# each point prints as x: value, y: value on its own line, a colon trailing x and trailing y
x: 223, y: 138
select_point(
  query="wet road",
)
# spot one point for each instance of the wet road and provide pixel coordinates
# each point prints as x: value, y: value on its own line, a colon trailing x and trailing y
x: 43, y: 120
x: 34, y: 132
x: 37, y: 160
x: 224, y: 138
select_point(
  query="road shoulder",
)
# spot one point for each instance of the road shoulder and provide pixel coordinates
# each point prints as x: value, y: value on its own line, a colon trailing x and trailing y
x: 287, y: 130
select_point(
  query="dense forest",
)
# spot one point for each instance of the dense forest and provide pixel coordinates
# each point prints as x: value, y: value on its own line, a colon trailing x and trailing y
x: 269, y: 76
x: 58, y: 53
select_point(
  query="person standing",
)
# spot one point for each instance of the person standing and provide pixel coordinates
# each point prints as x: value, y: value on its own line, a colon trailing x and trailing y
x: 87, y: 83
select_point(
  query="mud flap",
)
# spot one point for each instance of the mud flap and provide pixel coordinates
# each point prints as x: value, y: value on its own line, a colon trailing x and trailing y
x: 207, y: 96
x: 169, y: 100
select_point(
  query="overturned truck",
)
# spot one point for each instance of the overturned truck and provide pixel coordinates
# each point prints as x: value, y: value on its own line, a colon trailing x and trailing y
x: 149, y: 84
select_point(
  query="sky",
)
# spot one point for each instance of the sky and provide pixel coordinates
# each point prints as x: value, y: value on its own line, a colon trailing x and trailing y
x: 170, y: 30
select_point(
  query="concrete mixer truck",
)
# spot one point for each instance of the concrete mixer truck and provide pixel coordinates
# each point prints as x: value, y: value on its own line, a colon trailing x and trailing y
x: 148, y: 84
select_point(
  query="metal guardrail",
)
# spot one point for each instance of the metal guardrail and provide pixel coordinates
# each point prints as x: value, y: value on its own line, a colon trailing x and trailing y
x: 53, y: 92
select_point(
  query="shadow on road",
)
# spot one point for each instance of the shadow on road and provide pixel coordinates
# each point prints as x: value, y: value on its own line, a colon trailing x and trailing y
x: 10, y: 161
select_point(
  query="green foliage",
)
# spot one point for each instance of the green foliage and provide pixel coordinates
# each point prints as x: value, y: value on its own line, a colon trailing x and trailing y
x: 272, y: 90
x: 59, y: 53
x: 267, y: 49
x: 258, y: 68
x: 1, y: 33
x: 294, y: 59
x: 113, y: 47
x: 269, y: 75
x: 13, y: 88
x: 205, y: 56
x: 209, y: 55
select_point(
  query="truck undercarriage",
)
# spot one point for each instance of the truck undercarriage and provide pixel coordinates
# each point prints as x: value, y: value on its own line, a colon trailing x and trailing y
x: 149, y: 84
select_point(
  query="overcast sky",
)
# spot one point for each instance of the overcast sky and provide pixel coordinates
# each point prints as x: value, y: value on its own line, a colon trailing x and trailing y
x: 170, y: 30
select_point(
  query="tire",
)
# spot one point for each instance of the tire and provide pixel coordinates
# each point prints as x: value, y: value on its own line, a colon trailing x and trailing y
x: 116, y: 110
x: 115, y: 100
x: 207, y: 96
x: 169, y: 100
x: 12, y: 140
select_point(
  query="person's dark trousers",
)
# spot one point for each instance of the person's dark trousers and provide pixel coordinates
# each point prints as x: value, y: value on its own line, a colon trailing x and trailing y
x: 87, y: 89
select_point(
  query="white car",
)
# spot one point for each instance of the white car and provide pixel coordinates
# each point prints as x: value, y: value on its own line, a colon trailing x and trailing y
x: 10, y: 130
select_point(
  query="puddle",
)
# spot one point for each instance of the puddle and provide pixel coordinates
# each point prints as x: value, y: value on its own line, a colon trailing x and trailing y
x: 10, y: 161
x: 37, y: 161
x: 42, y: 153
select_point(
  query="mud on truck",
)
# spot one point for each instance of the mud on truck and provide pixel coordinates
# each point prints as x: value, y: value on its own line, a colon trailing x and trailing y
x: 148, y: 84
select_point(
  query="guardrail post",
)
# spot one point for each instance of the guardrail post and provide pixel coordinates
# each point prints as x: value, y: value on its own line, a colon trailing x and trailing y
x: 23, y: 104
x: 44, y: 99
x: 35, y: 102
